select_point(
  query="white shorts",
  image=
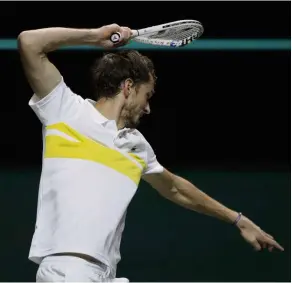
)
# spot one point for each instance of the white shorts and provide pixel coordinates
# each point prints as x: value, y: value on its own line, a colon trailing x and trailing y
x: 73, y: 269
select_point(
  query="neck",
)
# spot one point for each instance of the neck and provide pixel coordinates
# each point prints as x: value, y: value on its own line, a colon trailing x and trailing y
x: 111, y: 109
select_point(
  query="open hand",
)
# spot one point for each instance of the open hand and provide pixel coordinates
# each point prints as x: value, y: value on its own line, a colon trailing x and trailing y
x: 256, y: 237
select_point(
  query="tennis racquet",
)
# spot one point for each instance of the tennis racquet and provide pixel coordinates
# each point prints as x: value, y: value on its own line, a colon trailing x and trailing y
x: 173, y: 34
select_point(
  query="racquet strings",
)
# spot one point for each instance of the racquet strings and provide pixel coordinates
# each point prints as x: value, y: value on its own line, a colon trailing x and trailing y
x: 175, y: 33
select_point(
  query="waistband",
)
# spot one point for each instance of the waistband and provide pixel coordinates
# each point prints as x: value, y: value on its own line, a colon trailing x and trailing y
x: 65, y: 258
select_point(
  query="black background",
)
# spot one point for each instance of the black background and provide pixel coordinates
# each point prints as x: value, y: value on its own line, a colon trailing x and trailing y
x: 213, y: 110
x: 221, y: 19
x: 222, y: 108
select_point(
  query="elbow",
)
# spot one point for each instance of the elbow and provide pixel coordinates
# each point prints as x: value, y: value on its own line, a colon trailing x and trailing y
x: 27, y: 41
x: 25, y: 37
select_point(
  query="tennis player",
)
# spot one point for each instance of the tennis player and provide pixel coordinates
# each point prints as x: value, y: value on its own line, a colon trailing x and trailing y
x: 94, y: 158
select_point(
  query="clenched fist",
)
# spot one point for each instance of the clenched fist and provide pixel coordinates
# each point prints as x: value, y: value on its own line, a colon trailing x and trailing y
x: 103, y: 35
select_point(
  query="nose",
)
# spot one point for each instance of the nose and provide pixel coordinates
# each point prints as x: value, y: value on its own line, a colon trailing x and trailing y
x: 147, y: 109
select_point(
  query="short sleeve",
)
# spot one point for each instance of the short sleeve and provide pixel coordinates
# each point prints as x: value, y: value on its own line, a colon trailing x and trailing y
x: 153, y: 166
x: 57, y: 106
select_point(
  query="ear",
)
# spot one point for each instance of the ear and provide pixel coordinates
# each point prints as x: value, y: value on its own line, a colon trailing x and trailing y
x: 127, y: 87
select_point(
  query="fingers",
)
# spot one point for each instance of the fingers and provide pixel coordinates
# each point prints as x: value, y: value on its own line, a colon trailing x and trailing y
x: 270, y: 248
x: 271, y: 245
x: 256, y: 245
x: 261, y: 240
x: 113, y: 27
x: 269, y: 241
x: 126, y: 33
x: 268, y: 235
x: 125, y: 36
x: 252, y: 240
x: 274, y: 244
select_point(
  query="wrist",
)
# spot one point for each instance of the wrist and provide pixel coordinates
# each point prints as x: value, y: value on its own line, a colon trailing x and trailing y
x: 242, y: 222
x: 230, y: 216
x: 237, y: 219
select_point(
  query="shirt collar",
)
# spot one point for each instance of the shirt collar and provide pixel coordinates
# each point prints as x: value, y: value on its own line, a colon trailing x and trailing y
x: 110, y: 124
x: 100, y: 116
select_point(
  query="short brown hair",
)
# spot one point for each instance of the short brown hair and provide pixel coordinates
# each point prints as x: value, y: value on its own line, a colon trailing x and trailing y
x: 113, y: 68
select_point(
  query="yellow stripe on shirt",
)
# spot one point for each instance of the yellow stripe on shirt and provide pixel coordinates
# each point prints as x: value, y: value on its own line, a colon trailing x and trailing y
x: 87, y: 149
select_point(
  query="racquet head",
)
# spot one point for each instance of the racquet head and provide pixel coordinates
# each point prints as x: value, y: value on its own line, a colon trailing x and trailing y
x: 173, y: 34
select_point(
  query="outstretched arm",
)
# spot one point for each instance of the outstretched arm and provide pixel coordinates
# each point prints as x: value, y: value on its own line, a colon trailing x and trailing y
x: 34, y: 45
x: 182, y: 192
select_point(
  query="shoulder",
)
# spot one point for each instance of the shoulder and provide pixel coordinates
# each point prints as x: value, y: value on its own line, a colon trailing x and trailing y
x: 137, y: 133
x: 140, y: 140
x: 60, y: 104
x: 153, y: 166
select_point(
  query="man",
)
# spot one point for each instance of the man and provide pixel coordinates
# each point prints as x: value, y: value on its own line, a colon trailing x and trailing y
x: 94, y: 158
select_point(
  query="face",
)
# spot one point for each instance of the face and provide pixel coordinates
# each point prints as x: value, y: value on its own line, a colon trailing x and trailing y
x: 137, y: 103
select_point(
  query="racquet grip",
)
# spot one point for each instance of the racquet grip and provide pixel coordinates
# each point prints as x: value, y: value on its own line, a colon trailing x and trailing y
x: 115, y: 37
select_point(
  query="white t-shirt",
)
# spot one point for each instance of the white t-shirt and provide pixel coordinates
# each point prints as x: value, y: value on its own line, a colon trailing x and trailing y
x: 90, y: 173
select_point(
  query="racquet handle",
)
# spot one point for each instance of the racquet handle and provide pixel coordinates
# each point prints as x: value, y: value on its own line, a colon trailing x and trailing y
x: 115, y: 37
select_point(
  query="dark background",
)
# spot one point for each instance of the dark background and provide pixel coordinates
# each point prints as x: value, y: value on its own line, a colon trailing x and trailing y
x: 220, y: 119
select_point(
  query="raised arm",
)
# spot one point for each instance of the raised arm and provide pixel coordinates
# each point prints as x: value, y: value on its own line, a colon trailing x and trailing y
x: 182, y: 192
x: 34, y: 45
